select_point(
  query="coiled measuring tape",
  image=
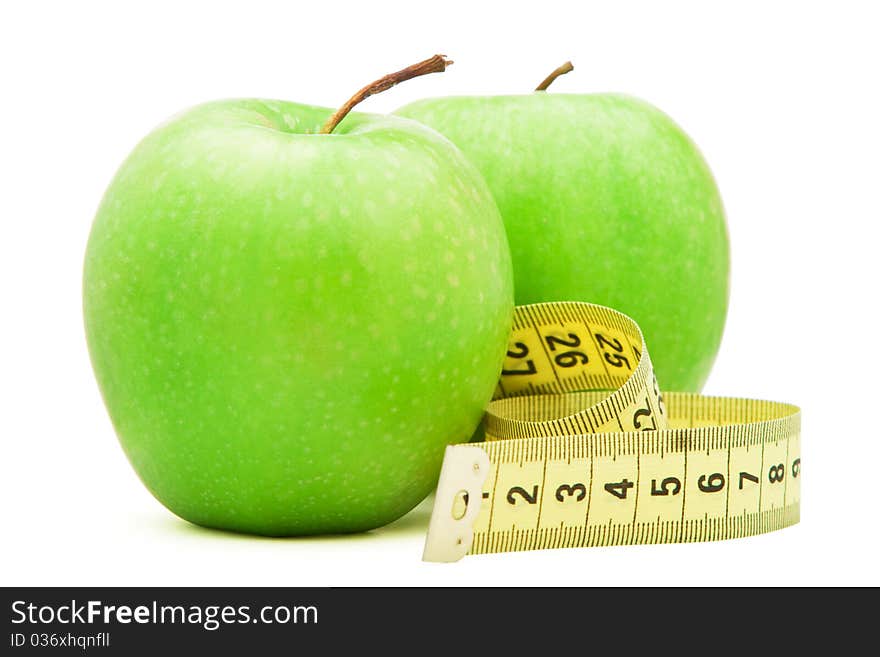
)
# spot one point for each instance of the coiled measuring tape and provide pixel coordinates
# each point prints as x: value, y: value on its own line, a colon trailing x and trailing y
x: 565, y: 464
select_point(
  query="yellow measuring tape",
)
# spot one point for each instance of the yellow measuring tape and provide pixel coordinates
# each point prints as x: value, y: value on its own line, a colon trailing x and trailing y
x: 567, y: 465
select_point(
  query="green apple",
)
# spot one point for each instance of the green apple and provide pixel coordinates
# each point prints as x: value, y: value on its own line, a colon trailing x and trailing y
x: 287, y: 327
x: 605, y: 200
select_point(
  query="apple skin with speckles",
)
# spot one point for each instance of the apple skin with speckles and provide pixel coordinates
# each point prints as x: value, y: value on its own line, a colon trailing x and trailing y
x: 605, y: 199
x: 286, y: 327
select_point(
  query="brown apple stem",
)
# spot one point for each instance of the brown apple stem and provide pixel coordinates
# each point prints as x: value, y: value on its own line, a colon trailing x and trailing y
x: 435, y: 64
x: 562, y: 70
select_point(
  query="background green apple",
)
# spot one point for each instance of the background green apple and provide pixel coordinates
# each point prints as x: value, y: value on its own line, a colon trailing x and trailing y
x: 605, y: 200
x: 288, y: 327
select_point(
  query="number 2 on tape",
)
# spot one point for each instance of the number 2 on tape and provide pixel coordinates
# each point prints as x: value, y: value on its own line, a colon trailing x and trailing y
x: 582, y: 449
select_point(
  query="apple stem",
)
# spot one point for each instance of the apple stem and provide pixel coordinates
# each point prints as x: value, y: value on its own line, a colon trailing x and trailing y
x: 562, y: 70
x: 435, y: 64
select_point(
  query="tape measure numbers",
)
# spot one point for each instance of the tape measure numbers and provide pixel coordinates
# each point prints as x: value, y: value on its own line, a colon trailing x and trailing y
x: 582, y: 449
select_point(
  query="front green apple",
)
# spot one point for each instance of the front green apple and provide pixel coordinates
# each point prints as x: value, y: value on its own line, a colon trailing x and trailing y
x: 605, y: 200
x: 288, y: 327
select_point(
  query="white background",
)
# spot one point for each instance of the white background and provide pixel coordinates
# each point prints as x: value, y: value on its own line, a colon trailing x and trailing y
x: 782, y: 98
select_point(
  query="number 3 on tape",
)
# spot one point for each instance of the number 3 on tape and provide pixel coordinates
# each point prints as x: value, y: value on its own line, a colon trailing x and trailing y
x: 568, y: 464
